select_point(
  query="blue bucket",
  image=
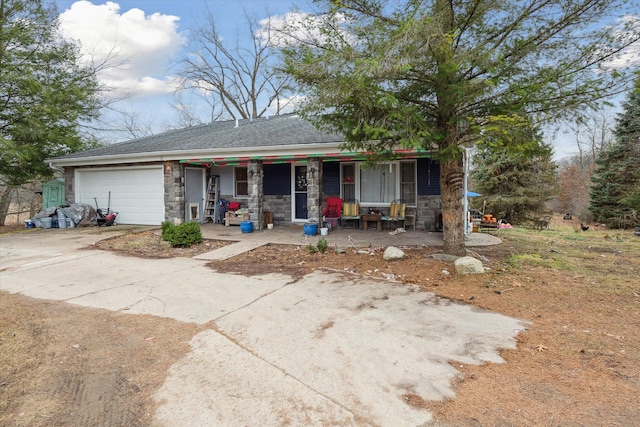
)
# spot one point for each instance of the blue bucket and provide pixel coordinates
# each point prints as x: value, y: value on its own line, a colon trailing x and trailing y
x: 310, y: 229
x: 246, y: 226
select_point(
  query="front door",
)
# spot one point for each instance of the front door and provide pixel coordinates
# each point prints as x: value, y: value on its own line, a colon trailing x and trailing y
x: 194, y: 194
x: 300, y: 193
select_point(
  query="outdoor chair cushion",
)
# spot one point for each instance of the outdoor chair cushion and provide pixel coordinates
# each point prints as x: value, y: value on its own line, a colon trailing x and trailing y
x: 350, y: 210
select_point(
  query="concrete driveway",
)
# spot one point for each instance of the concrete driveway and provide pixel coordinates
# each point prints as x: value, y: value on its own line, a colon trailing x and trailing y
x: 328, y: 349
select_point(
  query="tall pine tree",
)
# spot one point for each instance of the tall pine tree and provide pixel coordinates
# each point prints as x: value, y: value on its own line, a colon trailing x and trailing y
x: 516, y: 183
x: 435, y: 74
x: 44, y: 94
x: 615, y: 193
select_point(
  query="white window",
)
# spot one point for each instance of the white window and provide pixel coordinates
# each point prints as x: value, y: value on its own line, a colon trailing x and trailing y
x: 380, y: 184
x: 408, y: 182
x: 241, y: 181
x: 348, y: 180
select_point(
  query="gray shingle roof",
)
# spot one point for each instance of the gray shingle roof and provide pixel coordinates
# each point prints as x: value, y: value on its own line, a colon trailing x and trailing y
x: 256, y: 133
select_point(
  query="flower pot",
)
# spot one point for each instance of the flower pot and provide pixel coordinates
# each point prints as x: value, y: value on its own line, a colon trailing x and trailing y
x: 246, y: 226
x: 310, y: 229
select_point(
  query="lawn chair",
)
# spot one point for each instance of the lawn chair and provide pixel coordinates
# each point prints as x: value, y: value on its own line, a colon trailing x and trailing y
x: 396, y: 213
x: 331, y: 213
x: 350, y: 212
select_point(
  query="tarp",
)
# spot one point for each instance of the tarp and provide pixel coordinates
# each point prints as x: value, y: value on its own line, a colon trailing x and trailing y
x: 472, y: 194
x: 80, y: 213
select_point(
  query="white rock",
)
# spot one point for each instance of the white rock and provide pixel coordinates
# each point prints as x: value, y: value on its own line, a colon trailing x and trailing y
x: 392, y: 253
x: 468, y: 265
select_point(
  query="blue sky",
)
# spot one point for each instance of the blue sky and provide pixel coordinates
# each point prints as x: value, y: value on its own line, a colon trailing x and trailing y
x: 145, y: 38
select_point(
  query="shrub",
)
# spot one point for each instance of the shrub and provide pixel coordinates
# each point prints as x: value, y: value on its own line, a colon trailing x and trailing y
x: 183, y: 235
x: 165, y: 226
x: 322, y: 245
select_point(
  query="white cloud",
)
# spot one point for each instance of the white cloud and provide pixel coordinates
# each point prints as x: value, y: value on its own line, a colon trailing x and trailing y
x: 300, y: 27
x: 628, y: 28
x: 137, y: 47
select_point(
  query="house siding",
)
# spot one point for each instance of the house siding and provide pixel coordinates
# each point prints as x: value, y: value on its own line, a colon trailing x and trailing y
x: 276, y: 190
x: 428, y: 177
x: 331, y: 178
x: 277, y: 180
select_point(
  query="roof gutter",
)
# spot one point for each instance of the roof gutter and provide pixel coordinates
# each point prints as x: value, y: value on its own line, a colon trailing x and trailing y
x: 160, y: 156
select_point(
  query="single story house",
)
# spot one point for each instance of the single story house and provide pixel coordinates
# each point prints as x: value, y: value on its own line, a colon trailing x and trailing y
x: 280, y: 164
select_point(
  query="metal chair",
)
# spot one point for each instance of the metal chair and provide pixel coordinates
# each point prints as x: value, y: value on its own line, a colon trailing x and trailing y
x: 396, y: 213
x: 350, y: 212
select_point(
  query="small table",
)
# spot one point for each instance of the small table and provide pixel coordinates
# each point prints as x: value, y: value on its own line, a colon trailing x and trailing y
x: 488, y: 226
x: 366, y: 218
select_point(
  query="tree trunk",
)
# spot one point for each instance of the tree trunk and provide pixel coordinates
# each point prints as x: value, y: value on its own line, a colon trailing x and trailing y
x: 451, y: 181
x: 5, y: 201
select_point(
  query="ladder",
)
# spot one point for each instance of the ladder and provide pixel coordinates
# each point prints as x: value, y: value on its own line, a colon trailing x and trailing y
x: 213, y: 195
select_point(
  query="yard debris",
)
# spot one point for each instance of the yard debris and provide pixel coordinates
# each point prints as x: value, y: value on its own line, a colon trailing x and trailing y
x: 444, y: 257
x: 478, y: 256
x: 397, y: 231
x: 618, y: 337
x: 352, y: 244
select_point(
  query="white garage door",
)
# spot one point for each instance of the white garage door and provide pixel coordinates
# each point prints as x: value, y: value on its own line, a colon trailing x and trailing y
x: 137, y: 194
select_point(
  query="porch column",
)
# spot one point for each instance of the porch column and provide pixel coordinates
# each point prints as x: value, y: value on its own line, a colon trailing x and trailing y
x: 174, y: 192
x: 314, y: 183
x: 254, y: 170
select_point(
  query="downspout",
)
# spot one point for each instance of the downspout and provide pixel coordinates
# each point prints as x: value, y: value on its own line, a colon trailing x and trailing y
x: 465, y: 200
x: 56, y: 168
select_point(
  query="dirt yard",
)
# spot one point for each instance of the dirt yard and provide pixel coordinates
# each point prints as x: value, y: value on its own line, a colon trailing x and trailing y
x: 578, y: 363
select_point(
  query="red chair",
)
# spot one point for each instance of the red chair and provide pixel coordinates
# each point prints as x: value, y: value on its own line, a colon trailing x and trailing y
x: 332, y: 211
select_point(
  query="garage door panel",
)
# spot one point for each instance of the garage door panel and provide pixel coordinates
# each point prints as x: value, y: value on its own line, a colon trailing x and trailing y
x: 136, y: 194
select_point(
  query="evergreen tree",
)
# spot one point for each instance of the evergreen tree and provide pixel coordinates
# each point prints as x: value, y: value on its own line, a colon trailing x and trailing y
x: 434, y: 74
x: 615, y: 193
x: 516, y: 183
x: 44, y: 93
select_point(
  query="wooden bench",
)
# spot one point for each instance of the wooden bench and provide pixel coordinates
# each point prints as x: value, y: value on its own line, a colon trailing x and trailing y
x: 231, y: 218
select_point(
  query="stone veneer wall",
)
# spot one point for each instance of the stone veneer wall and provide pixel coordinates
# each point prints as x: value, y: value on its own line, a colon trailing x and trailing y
x: 174, y: 192
x: 426, y: 209
x: 314, y: 189
x: 280, y: 206
x: 69, y: 185
x: 256, y: 176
